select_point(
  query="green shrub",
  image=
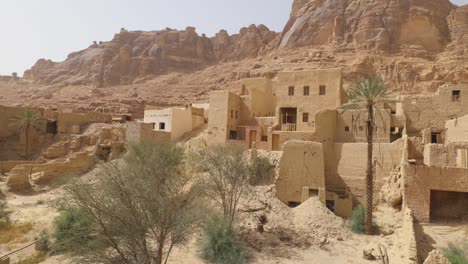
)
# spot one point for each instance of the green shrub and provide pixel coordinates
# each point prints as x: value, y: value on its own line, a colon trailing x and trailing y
x: 455, y: 254
x: 43, y: 241
x: 72, y: 230
x: 4, y: 219
x: 220, y: 245
x: 357, y: 224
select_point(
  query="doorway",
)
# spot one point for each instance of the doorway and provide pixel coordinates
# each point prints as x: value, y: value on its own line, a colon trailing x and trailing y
x: 288, y: 118
x: 447, y: 205
x: 435, y: 138
x: 275, y: 142
x: 252, y: 138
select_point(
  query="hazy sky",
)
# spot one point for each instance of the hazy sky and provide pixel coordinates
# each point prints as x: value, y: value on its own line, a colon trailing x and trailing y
x: 33, y: 29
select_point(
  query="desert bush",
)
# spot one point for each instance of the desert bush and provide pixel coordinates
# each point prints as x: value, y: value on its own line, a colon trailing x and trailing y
x: 220, y: 245
x: 455, y: 254
x: 357, y: 223
x: 13, y: 232
x: 43, y: 242
x: 139, y: 208
x: 227, y: 177
x: 3, y: 214
x: 72, y: 231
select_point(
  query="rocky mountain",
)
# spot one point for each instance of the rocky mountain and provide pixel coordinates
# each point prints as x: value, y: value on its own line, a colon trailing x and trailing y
x: 387, y: 25
x: 416, y: 45
x: 132, y: 55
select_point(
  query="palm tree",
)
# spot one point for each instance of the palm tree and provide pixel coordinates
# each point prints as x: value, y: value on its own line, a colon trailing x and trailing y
x: 24, y: 122
x: 369, y: 95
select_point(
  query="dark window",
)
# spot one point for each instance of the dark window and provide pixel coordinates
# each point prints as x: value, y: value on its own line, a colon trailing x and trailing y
x: 322, y: 89
x: 393, y: 112
x: 435, y: 138
x: 232, y: 135
x: 265, y: 138
x: 236, y: 114
x: 162, y: 126
x: 305, y: 117
x: 291, y: 91
x: 306, y: 90
x: 456, y: 95
x: 52, y: 127
x: 393, y: 129
x: 293, y: 204
x: 330, y: 205
x: 313, y: 193
x: 346, y: 128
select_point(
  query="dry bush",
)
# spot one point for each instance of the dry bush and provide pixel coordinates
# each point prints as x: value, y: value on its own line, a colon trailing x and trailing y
x: 13, y: 232
x: 227, y: 177
x: 139, y: 208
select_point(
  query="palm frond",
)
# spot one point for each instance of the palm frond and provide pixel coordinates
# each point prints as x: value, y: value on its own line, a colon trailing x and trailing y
x: 26, y: 118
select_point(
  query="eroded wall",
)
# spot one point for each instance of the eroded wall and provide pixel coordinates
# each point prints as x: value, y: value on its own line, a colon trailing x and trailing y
x: 345, y: 165
x: 420, y: 180
x: 301, y: 165
x: 74, y: 123
x: 432, y: 111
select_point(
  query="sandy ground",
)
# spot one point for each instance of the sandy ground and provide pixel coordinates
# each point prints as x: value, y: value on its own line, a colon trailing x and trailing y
x: 291, y: 235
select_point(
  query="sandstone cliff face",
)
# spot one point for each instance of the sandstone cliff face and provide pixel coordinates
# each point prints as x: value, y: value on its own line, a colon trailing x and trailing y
x: 368, y: 24
x: 416, y: 45
x: 138, y: 54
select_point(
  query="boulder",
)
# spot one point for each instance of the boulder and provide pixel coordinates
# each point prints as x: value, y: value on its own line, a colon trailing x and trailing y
x: 57, y: 150
x: 18, y: 178
x: 436, y: 257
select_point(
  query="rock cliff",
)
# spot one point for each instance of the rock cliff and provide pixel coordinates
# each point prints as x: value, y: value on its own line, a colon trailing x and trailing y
x: 138, y: 54
x: 367, y: 24
x: 416, y: 45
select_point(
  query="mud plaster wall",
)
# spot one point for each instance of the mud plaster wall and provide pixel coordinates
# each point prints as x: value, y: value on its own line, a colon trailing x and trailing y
x: 222, y: 104
x: 407, y: 238
x: 312, y: 103
x: 345, y: 165
x: 456, y: 130
x: 260, y: 101
x: 284, y: 137
x: 355, y: 122
x: 431, y: 111
x: 301, y: 165
x: 141, y: 132
x: 7, y: 166
x: 7, y: 123
x: 181, y: 122
x: 73, y: 123
x: 420, y: 180
x: 13, y: 141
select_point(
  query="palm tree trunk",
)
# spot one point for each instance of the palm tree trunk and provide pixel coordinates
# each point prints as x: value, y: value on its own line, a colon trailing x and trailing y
x: 27, y: 141
x: 369, y: 176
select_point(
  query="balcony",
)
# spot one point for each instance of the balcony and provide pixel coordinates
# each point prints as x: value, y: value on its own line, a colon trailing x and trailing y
x: 289, y: 127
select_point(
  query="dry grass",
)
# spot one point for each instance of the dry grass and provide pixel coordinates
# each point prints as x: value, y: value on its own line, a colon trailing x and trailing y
x: 13, y: 232
x: 38, y: 258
